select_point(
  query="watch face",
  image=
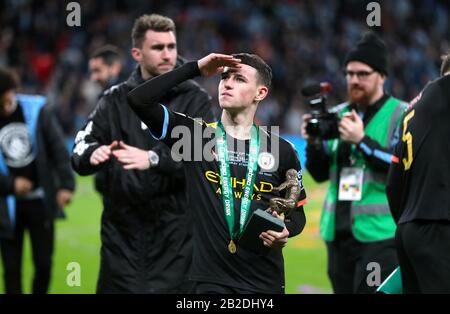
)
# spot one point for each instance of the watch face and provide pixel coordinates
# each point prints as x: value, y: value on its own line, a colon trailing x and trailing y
x: 154, y: 158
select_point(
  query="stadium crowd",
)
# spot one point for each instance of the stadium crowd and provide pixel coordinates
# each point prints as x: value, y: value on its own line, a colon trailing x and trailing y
x: 301, y: 40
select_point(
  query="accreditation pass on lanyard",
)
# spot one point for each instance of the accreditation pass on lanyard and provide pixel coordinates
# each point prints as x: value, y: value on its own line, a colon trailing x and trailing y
x: 350, y: 184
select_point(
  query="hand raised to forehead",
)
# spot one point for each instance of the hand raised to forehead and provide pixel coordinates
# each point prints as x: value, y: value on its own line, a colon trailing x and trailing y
x: 214, y: 63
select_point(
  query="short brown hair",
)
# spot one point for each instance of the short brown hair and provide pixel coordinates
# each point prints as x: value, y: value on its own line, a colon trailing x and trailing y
x: 109, y: 54
x: 154, y: 22
x: 255, y: 61
x: 8, y: 81
x: 445, y: 66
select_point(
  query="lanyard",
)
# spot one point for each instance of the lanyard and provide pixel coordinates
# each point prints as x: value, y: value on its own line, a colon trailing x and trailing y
x: 227, y: 192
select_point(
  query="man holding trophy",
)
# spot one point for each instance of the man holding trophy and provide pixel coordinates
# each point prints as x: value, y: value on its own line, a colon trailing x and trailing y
x: 232, y: 183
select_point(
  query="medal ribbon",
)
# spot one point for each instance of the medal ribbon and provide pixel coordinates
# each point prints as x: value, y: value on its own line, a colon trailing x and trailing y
x: 227, y: 192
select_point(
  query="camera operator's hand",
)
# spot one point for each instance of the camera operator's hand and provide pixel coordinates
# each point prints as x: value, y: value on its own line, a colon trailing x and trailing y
x: 306, y: 118
x: 351, y: 128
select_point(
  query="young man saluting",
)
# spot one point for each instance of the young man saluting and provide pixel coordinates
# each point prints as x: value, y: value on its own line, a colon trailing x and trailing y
x: 228, y: 184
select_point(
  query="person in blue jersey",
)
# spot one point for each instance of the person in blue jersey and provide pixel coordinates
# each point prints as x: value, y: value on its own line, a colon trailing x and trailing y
x: 36, y: 182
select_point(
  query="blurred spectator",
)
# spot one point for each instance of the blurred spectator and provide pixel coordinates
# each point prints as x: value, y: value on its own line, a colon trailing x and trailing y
x: 36, y: 183
x: 299, y: 39
x: 105, y: 65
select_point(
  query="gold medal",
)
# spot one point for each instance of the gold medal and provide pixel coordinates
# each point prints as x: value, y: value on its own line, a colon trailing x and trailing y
x: 232, y: 247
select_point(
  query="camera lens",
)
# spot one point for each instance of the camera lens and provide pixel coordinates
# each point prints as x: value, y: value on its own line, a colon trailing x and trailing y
x: 313, y: 128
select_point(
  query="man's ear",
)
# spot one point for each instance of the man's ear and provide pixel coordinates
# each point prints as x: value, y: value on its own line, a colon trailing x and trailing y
x: 383, y: 78
x: 136, y: 54
x: 116, y: 67
x: 261, y: 93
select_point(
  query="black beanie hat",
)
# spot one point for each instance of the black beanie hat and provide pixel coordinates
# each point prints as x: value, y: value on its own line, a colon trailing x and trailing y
x: 370, y: 50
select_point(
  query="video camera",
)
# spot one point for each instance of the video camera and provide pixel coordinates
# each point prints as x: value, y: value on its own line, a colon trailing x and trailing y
x: 323, y: 123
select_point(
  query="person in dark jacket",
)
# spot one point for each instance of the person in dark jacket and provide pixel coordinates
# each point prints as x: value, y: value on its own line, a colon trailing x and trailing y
x: 418, y: 189
x: 146, y: 233
x: 36, y: 182
x: 356, y: 222
x: 105, y: 66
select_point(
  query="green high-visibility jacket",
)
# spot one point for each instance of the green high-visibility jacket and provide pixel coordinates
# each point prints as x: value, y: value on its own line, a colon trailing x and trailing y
x: 371, y: 217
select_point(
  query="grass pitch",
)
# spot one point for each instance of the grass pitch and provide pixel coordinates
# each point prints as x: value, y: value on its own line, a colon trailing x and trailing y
x: 78, y: 240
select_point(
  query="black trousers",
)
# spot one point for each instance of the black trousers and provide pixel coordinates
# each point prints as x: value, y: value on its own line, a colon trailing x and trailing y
x: 31, y: 216
x: 349, y: 267
x: 424, y: 256
x: 215, y: 288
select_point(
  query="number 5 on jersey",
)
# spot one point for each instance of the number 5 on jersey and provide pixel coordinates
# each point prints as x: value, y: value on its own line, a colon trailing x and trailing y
x: 408, y: 139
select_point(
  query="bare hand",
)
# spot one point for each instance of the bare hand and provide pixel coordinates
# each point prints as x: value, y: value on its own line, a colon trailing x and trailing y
x: 306, y: 118
x: 351, y: 128
x: 214, y: 63
x: 275, y: 239
x: 132, y: 157
x: 63, y: 197
x: 102, y: 154
x: 22, y: 186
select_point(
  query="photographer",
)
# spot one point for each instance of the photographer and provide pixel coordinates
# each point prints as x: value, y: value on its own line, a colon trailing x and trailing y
x: 356, y: 222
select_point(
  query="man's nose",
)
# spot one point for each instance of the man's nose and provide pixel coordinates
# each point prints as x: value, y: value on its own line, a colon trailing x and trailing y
x: 227, y: 84
x: 353, y: 80
x: 166, y: 53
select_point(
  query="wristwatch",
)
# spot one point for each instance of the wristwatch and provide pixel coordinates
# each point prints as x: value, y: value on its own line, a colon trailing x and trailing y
x: 153, y: 158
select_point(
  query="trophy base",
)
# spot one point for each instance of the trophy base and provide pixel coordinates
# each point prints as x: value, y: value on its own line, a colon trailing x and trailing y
x: 259, y: 221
